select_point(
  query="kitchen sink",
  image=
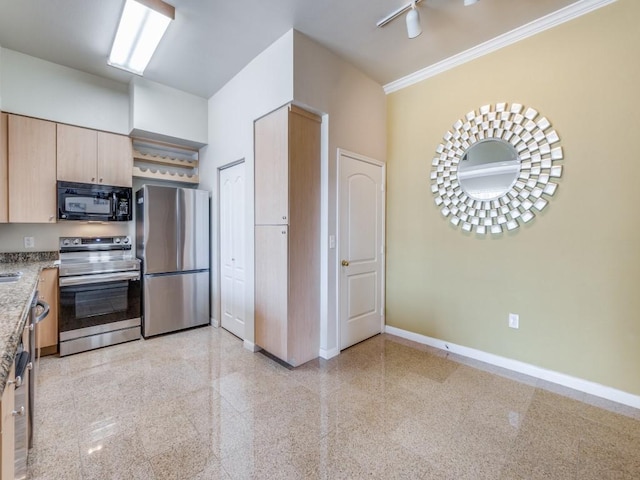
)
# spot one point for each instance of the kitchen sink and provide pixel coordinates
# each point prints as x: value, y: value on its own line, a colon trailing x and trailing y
x: 10, y: 277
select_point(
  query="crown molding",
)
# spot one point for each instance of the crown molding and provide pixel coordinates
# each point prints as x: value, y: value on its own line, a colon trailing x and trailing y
x: 554, y: 19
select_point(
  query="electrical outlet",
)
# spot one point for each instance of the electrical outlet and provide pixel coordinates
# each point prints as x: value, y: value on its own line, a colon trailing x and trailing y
x: 29, y: 242
x: 514, y: 320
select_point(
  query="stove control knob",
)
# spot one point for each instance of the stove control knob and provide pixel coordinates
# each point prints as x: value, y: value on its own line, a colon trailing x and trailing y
x: 125, y: 240
x: 117, y: 240
x: 76, y: 241
x: 66, y: 242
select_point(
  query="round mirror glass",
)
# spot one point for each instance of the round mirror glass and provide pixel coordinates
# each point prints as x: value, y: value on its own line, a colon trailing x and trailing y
x: 488, y: 169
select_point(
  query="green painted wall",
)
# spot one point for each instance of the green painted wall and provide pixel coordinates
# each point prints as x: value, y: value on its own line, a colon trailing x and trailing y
x: 573, y: 273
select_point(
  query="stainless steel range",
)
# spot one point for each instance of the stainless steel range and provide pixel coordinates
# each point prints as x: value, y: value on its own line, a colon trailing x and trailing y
x: 99, y: 293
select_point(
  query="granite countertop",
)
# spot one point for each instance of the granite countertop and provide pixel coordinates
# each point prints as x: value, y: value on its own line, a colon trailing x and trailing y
x: 15, y: 301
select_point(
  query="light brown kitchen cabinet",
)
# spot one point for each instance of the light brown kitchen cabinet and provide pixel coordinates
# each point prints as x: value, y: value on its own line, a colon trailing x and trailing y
x: 90, y: 156
x: 287, y: 234
x: 115, y: 159
x: 32, y: 170
x: 48, y: 328
x: 4, y: 170
x: 7, y: 428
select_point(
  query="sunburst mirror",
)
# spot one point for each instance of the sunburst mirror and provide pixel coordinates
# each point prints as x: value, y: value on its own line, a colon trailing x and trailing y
x: 495, y: 168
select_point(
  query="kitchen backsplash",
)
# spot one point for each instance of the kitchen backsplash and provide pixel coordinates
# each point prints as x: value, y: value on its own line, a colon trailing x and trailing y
x: 45, y: 236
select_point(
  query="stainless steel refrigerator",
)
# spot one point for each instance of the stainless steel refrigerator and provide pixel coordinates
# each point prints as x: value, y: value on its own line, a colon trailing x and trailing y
x: 172, y: 241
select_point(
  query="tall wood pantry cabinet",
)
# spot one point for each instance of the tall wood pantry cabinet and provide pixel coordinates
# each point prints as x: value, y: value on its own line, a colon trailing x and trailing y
x: 287, y: 234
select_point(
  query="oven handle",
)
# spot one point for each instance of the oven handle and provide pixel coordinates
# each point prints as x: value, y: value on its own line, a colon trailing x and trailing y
x: 99, y: 278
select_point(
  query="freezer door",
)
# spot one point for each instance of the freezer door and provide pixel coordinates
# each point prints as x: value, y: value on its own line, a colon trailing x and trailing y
x: 193, y: 229
x: 175, y: 302
x: 158, y: 225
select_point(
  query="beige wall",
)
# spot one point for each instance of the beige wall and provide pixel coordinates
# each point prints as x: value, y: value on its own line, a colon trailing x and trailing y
x: 573, y: 274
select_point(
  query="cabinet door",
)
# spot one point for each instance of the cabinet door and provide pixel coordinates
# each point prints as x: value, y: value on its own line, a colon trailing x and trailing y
x: 272, y: 168
x: 76, y: 150
x: 4, y: 172
x: 48, y: 291
x: 7, y: 426
x: 272, y: 286
x: 32, y: 170
x: 115, y: 160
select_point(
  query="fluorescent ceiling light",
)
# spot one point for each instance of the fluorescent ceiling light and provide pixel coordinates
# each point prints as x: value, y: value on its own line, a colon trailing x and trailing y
x: 141, y: 28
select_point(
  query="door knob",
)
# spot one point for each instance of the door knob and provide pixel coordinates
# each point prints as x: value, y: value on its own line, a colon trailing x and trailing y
x: 345, y: 263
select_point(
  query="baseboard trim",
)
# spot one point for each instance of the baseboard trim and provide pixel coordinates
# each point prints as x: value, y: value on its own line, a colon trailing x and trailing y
x: 214, y: 322
x: 252, y: 347
x: 327, y: 354
x: 563, y: 15
x: 575, y: 383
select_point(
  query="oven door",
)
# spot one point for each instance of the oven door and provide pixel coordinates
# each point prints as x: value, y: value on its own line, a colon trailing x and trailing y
x: 98, y: 310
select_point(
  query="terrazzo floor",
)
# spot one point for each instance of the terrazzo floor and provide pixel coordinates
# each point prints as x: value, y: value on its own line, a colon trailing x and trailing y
x: 196, y: 405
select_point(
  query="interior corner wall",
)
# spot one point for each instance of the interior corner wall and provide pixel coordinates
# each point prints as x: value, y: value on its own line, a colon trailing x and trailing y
x: 265, y: 84
x: 37, y: 88
x: 572, y: 274
x: 354, y: 118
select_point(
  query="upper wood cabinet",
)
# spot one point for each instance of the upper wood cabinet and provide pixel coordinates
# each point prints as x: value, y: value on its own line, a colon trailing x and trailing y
x: 272, y: 168
x: 32, y: 170
x: 4, y: 172
x: 115, y: 159
x: 89, y: 156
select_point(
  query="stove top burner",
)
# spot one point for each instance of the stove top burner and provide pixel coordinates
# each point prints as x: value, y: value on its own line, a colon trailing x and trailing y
x: 94, y: 255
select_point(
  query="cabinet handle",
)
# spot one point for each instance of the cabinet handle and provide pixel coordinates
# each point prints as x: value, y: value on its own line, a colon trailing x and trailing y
x: 100, y: 180
x: 18, y: 413
x: 93, y: 179
x: 17, y: 381
x: 284, y: 217
x: 345, y: 263
x: 51, y: 218
x: 284, y: 232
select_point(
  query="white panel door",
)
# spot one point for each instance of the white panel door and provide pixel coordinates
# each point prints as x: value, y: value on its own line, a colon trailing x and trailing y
x: 360, y: 254
x: 232, y: 249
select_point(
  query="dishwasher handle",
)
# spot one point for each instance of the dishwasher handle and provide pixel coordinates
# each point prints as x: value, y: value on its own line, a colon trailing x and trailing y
x: 45, y: 306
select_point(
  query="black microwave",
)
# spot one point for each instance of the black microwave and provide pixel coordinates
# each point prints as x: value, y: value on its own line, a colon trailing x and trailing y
x: 98, y: 203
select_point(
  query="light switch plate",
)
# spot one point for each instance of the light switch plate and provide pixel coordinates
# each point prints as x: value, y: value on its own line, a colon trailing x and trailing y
x: 514, y: 320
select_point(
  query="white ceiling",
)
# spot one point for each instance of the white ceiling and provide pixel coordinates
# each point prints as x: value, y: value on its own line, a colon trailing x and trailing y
x: 211, y: 40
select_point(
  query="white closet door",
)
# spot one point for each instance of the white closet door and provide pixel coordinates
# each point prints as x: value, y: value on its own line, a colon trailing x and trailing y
x: 232, y: 249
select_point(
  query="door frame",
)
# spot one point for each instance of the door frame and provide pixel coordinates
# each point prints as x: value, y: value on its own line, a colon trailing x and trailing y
x: 362, y: 158
x: 217, y: 321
